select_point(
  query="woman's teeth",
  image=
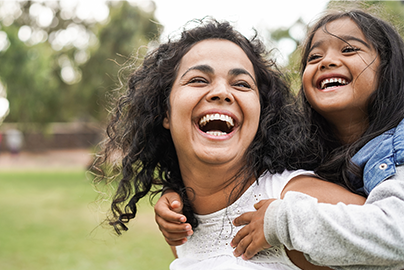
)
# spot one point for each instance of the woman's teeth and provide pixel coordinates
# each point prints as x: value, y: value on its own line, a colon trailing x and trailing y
x: 212, y: 117
x: 216, y: 133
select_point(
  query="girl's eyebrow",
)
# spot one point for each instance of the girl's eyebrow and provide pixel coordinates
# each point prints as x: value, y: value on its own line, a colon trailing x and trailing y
x: 210, y: 70
x: 345, y: 38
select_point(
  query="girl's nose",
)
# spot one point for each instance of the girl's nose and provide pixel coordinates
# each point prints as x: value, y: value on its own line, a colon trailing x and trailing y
x: 329, y: 61
x: 327, y: 65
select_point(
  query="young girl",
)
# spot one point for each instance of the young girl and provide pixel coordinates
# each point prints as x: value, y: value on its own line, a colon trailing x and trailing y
x: 208, y: 118
x: 353, y: 84
x: 353, y: 91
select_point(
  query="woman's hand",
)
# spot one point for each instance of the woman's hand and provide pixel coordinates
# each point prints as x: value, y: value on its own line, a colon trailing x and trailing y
x: 171, y: 221
x: 251, y: 239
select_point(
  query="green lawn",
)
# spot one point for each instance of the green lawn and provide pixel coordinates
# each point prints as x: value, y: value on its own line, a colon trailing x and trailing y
x: 49, y: 220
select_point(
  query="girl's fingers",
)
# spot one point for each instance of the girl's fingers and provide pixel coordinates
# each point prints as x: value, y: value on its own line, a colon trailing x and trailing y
x: 242, y: 245
x: 239, y: 236
x: 244, y: 219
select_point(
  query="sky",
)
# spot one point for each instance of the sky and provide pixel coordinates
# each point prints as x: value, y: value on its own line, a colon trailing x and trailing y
x: 244, y: 16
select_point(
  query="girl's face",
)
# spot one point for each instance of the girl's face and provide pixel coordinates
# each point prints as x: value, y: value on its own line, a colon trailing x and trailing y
x: 341, y: 72
x: 215, y: 105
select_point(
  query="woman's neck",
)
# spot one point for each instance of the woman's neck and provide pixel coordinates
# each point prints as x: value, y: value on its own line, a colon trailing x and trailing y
x: 213, y: 188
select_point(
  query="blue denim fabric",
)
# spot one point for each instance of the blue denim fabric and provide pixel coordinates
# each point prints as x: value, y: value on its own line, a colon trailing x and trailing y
x: 379, y: 157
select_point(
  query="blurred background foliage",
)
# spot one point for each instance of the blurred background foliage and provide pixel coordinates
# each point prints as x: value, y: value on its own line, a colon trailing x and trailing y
x: 59, y: 60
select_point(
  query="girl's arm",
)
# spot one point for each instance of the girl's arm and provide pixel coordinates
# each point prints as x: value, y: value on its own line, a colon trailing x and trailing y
x: 252, y: 239
x: 343, y: 236
x: 323, y: 191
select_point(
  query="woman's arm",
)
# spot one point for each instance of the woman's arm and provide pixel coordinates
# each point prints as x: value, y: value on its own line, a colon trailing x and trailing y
x: 171, y: 221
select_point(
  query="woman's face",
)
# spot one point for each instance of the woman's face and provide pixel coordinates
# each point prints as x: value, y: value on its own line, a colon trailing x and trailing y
x: 215, y: 105
x: 341, y: 71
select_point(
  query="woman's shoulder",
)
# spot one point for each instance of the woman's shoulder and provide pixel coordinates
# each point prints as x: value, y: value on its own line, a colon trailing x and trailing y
x: 273, y: 184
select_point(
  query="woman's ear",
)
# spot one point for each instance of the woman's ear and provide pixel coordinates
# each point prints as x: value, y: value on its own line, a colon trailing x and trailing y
x: 166, y: 122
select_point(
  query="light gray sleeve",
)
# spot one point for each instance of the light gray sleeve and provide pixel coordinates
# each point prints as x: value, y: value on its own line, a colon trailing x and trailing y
x: 343, y: 236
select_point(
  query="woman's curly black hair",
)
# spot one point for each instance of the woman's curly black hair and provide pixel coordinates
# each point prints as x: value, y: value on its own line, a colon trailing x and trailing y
x: 149, y: 160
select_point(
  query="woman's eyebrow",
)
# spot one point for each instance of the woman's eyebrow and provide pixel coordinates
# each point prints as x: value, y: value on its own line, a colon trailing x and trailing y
x: 210, y: 70
x: 203, y: 68
x: 239, y: 71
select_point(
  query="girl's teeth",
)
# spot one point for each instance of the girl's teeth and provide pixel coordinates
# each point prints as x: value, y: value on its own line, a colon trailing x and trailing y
x: 332, y: 80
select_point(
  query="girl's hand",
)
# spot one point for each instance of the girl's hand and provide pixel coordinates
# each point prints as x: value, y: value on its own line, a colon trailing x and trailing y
x: 251, y: 239
x: 171, y: 221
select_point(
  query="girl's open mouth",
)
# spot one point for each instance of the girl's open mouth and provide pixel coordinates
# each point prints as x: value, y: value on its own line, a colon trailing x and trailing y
x: 332, y: 82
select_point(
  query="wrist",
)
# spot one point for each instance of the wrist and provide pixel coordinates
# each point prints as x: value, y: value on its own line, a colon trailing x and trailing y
x: 270, y: 223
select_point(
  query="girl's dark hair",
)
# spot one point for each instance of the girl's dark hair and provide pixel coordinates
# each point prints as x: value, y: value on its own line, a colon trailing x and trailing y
x: 149, y: 160
x: 386, y: 106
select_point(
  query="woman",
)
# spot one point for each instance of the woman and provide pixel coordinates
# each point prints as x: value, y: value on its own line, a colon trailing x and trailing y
x: 207, y: 117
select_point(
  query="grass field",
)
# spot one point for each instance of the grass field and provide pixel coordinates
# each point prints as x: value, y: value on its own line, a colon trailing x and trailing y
x: 49, y: 220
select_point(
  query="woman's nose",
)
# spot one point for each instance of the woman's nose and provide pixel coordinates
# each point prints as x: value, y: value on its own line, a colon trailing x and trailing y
x: 220, y: 92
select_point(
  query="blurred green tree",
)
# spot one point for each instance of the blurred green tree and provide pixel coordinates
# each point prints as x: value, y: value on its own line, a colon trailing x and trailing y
x: 119, y: 42
x: 58, y: 60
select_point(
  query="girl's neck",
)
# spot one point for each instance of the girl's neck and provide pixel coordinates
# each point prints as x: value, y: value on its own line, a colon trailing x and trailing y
x: 350, y: 130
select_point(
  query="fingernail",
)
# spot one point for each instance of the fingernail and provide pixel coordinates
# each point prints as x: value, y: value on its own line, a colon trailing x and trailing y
x: 183, y: 219
x: 187, y: 227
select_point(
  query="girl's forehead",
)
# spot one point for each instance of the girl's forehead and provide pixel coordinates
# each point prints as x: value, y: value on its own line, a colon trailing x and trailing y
x: 343, y: 30
x: 340, y: 28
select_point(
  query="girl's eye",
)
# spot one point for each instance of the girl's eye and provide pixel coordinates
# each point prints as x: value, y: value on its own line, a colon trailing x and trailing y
x: 350, y: 49
x: 313, y: 57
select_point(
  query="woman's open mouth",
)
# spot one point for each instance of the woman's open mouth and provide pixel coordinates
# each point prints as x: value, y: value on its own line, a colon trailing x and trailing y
x: 216, y: 124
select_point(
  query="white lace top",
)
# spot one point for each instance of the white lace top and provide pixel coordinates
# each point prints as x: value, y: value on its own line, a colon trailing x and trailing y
x: 209, y: 247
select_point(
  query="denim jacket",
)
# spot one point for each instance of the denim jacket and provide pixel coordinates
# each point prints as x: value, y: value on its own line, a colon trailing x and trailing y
x: 380, y: 156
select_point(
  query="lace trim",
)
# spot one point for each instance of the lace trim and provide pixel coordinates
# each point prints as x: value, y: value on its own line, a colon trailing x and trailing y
x: 215, y: 231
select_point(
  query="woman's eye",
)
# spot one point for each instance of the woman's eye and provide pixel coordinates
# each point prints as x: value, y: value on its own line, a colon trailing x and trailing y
x: 197, y: 80
x: 242, y: 85
x: 350, y: 49
x: 313, y: 57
